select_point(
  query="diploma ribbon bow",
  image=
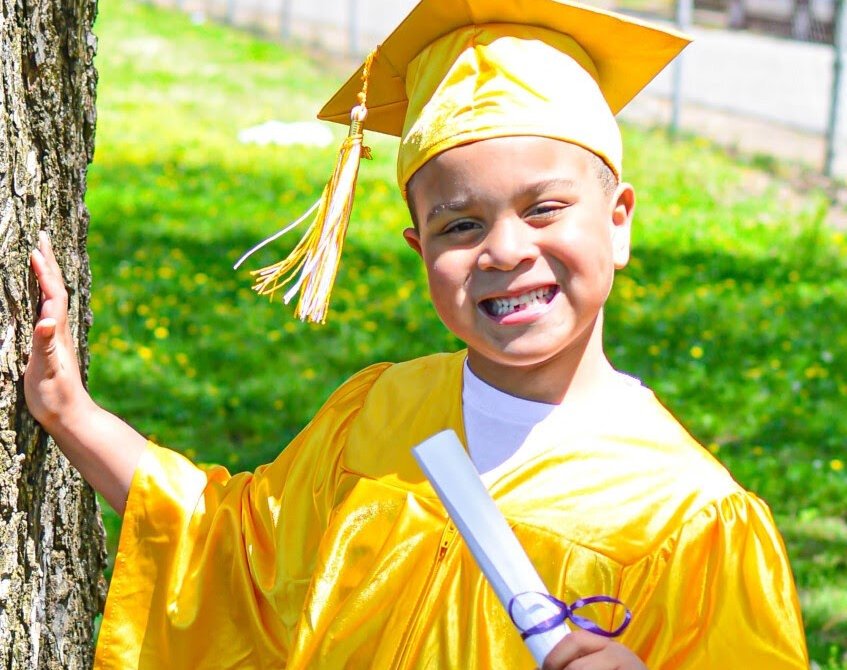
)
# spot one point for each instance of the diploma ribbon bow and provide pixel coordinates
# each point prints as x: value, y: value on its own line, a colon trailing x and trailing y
x: 567, y: 612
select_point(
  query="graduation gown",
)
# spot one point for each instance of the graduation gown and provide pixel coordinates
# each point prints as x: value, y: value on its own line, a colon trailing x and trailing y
x: 339, y: 555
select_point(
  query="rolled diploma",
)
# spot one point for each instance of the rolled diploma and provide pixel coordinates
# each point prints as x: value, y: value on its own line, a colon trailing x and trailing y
x: 497, y: 551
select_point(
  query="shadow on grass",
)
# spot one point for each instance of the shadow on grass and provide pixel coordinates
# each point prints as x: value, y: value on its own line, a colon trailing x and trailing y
x: 818, y: 549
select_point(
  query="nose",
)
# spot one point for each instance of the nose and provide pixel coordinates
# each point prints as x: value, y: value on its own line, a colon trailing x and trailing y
x: 508, y: 243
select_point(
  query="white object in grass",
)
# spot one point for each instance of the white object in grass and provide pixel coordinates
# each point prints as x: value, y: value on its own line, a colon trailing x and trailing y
x: 280, y: 133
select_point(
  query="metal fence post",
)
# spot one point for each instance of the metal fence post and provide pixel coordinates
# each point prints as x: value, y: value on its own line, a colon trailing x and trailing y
x: 684, y: 11
x: 833, y: 127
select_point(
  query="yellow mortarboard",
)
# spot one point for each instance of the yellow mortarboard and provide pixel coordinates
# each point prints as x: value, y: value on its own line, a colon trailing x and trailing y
x: 459, y: 71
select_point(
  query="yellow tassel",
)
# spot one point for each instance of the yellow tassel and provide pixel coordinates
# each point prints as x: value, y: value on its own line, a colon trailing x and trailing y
x: 311, y: 267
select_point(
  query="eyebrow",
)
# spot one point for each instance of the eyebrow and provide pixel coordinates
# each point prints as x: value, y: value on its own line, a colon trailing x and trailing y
x: 450, y: 206
x: 551, y: 185
x: 461, y: 204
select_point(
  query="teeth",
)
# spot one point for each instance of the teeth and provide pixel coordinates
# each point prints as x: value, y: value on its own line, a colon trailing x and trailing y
x: 503, y: 306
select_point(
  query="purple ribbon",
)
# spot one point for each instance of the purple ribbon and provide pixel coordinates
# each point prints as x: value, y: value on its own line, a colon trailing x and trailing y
x: 567, y: 612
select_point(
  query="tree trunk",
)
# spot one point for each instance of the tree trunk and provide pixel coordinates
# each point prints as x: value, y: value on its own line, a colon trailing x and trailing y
x: 51, y: 537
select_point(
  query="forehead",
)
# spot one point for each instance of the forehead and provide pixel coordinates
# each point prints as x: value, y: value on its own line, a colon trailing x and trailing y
x: 500, y: 166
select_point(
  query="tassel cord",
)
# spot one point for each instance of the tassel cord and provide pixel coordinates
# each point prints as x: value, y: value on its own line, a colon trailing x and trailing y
x: 312, y: 266
x: 347, y: 173
x: 318, y: 273
x: 278, y: 234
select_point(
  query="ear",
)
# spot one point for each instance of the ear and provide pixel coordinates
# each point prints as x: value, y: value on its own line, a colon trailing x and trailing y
x: 413, y: 239
x: 623, y: 208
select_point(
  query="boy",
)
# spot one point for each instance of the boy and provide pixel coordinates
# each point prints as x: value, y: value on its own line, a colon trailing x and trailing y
x: 338, y: 554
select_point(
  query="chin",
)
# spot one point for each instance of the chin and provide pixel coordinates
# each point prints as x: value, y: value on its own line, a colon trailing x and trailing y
x: 520, y: 357
x: 523, y: 352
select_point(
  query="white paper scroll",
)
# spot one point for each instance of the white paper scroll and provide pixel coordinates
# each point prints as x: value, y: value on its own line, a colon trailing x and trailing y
x: 497, y: 551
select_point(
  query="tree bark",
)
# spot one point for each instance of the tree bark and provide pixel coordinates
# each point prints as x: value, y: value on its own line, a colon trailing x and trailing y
x: 51, y: 538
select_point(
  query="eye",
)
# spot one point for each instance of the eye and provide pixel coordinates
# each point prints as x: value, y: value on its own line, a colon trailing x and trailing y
x: 546, y: 210
x: 460, y: 226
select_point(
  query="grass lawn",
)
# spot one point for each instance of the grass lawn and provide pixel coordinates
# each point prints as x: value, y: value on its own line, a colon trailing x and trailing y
x: 733, y: 309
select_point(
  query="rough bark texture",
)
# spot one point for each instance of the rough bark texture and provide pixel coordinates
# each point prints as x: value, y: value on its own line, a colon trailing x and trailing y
x: 51, y: 537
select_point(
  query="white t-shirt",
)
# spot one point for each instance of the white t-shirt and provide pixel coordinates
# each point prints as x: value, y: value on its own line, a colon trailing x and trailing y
x: 497, y: 424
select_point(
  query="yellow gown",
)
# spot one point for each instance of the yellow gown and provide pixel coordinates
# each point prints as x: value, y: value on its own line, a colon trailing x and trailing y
x: 339, y: 555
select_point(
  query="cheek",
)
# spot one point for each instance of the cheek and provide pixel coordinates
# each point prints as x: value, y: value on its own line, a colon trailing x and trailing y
x: 448, y: 280
x: 448, y: 270
x: 587, y: 259
x: 582, y: 249
x: 443, y: 280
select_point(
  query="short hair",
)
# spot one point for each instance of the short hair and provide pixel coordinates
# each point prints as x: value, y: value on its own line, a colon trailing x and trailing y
x: 607, y: 178
x: 410, y: 203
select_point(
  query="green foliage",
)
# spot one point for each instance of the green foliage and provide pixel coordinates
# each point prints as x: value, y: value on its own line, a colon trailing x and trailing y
x: 732, y: 308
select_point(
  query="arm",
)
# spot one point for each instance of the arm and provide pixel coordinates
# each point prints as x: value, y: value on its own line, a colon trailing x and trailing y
x: 213, y: 570
x: 720, y: 595
x: 103, y: 448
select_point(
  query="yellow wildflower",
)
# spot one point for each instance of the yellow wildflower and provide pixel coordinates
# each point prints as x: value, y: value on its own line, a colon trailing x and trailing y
x: 119, y: 344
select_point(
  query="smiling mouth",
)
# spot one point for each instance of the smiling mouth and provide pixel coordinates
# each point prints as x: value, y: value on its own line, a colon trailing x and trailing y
x: 518, y: 303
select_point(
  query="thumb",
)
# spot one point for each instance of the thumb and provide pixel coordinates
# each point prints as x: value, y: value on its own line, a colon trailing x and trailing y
x: 44, y: 336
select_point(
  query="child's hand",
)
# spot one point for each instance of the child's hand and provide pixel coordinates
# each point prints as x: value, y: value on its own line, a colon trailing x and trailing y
x: 52, y: 382
x: 581, y: 650
x: 103, y: 448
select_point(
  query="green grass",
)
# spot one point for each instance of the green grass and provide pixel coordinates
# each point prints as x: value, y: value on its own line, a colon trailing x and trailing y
x: 732, y: 309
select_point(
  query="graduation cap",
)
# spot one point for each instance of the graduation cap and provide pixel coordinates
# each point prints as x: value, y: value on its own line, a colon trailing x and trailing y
x: 460, y: 71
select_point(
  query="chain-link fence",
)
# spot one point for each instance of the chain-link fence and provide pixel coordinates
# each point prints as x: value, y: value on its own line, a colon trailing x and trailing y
x: 805, y: 20
x: 763, y: 76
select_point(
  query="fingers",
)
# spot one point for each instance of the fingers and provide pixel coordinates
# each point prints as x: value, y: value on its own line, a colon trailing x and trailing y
x: 581, y: 650
x: 45, y: 349
x: 45, y: 265
x: 46, y: 248
x: 574, y: 646
x: 52, y: 284
x: 45, y: 329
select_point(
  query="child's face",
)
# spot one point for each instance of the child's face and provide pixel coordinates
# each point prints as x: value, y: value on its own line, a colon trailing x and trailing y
x: 520, y: 243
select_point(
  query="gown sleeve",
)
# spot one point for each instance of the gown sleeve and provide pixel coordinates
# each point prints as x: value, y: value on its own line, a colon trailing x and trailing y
x: 722, y: 594
x: 212, y: 569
